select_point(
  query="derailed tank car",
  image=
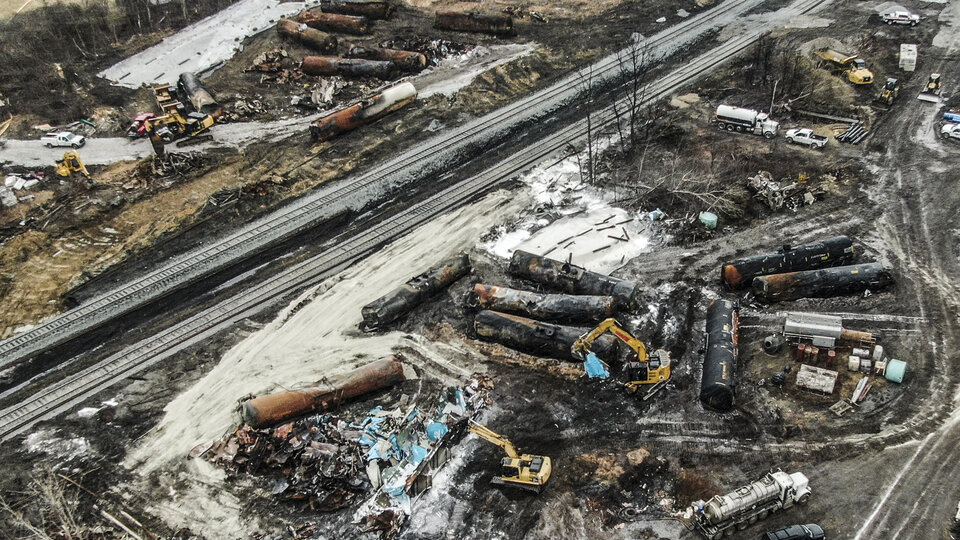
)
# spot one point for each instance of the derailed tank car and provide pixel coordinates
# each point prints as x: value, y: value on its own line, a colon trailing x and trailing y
x: 538, y: 338
x: 364, y: 112
x: 745, y: 505
x: 835, y: 251
x: 571, y: 278
x: 544, y: 307
x: 718, y: 383
x: 201, y: 98
x: 822, y: 283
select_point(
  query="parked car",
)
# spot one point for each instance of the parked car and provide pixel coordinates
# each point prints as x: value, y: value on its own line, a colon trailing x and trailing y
x: 810, y: 531
x: 950, y: 131
x: 900, y: 17
x: 805, y: 136
x: 63, y: 138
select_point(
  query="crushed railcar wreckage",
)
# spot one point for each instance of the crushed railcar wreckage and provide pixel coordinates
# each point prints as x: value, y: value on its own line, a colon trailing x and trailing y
x: 305, y: 35
x: 718, y: 382
x: 571, y: 278
x: 822, y: 283
x: 498, y: 25
x: 399, y: 302
x: 544, y: 307
x: 837, y: 251
x: 334, y: 22
x: 198, y: 95
x: 538, y: 338
x: 349, y: 67
x: 363, y: 112
x: 271, y: 409
x: 378, y: 462
x: 361, y: 8
x: 409, y: 61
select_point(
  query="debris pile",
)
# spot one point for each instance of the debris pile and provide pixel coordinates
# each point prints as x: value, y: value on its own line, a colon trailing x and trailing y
x: 242, y: 109
x: 275, y: 66
x: 14, y: 183
x: 168, y: 165
x: 784, y: 194
x: 330, y: 462
x: 434, y: 49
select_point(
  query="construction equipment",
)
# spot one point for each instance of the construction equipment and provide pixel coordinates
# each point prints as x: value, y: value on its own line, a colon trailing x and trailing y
x: 931, y: 91
x: 643, y: 369
x: 851, y: 65
x: 173, y: 124
x: 890, y: 92
x: 70, y: 164
x: 526, y: 471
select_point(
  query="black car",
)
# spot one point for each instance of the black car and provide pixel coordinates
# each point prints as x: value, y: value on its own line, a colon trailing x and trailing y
x: 809, y: 531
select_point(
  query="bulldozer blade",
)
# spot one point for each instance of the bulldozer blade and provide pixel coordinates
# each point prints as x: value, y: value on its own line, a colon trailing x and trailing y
x: 499, y: 481
x: 653, y: 391
x: 932, y: 98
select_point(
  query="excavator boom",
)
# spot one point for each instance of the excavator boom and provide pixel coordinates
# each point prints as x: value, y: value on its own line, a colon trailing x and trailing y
x: 489, y: 435
x: 645, y: 369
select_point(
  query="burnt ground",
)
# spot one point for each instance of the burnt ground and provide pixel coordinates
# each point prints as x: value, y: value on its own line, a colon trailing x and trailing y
x: 893, y: 194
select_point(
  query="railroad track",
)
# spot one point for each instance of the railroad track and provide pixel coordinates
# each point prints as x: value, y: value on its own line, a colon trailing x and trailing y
x: 72, y: 390
x: 352, y: 194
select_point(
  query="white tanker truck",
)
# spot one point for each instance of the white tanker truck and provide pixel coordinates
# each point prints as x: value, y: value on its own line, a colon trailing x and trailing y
x: 739, y: 119
x: 748, y: 504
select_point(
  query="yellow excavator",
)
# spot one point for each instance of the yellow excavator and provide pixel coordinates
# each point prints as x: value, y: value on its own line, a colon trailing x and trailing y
x: 172, y: 124
x: 526, y: 471
x: 643, y: 368
x: 70, y: 164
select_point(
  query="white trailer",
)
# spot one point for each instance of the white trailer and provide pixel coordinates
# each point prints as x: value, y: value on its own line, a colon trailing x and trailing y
x: 733, y: 118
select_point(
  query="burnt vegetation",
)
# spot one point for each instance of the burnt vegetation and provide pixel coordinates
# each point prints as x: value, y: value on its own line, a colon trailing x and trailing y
x: 51, y: 54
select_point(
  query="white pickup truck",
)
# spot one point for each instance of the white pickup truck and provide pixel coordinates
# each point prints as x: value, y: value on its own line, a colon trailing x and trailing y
x: 63, y: 138
x: 805, y: 136
x: 900, y: 17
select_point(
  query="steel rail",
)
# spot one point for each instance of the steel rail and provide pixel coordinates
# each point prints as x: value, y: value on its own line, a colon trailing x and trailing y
x: 72, y: 390
x: 437, y: 153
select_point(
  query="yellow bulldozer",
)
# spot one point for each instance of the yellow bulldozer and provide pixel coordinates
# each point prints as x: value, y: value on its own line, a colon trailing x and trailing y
x: 526, y: 471
x: 643, y: 369
x: 71, y: 163
x: 173, y: 124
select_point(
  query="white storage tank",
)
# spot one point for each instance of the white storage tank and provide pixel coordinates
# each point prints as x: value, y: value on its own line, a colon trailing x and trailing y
x: 908, y: 56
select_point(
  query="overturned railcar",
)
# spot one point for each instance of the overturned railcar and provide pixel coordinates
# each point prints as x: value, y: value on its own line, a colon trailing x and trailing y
x: 335, y: 22
x: 198, y: 96
x: 835, y: 251
x: 405, y: 60
x: 401, y: 301
x: 718, y: 383
x: 822, y: 283
x: 349, y: 67
x: 363, y: 112
x: 544, y: 307
x: 311, y: 37
x: 571, y: 278
x: 370, y: 10
x: 498, y: 25
x: 538, y: 338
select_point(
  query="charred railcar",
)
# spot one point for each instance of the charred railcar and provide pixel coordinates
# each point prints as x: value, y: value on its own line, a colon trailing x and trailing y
x: 822, y: 283
x: 538, y: 338
x: 571, y: 278
x: 835, y: 251
x: 720, y: 358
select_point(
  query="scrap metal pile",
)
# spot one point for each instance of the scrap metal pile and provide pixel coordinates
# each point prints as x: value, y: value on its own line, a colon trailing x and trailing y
x: 785, y: 194
x: 331, y: 462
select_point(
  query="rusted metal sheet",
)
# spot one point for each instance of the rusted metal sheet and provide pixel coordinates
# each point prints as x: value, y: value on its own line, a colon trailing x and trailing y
x: 310, y: 37
x: 571, y: 278
x: 499, y: 25
x: 363, y: 112
x: 201, y: 98
x: 817, y: 379
x: 335, y: 22
x: 544, y: 307
x: 830, y: 252
x: 538, y: 338
x: 348, y: 67
x: 405, y: 60
x: 370, y: 10
x: 822, y: 283
x: 718, y: 383
x: 272, y: 409
x: 391, y: 307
